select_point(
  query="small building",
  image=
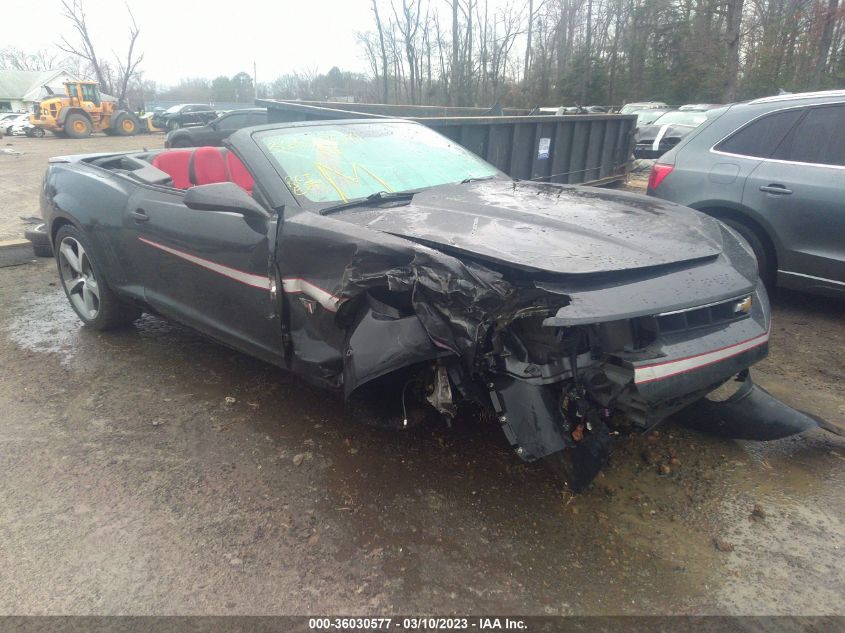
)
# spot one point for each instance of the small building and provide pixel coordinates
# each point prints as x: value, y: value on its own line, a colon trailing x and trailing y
x: 21, y: 89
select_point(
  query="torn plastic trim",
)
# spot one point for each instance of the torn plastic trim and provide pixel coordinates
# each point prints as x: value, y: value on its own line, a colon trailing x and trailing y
x: 367, y: 357
x: 751, y: 413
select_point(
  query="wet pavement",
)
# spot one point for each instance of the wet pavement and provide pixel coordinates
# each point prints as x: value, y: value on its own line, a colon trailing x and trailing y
x: 152, y: 471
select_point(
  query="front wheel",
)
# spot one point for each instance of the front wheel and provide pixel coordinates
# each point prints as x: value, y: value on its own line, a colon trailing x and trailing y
x: 77, y: 126
x: 37, y: 132
x: 125, y: 125
x: 94, y: 302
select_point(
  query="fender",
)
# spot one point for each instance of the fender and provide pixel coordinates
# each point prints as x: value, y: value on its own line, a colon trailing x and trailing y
x: 366, y: 354
x: 715, y: 208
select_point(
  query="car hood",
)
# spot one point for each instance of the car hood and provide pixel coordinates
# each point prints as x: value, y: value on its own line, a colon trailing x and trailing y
x: 543, y: 227
x: 647, y: 133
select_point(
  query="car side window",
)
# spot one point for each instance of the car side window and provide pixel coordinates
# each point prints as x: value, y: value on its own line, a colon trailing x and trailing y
x: 234, y: 122
x: 819, y: 138
x: 760, y: 137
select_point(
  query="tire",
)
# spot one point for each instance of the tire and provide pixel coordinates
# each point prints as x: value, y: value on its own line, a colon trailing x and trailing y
x: 40, y: 241
x: 94, y: 302
x: 173, y: 125
x: 77, y: 126
x: 765, y: 260
x: 42, y: 250
x: 125, y: 125
x: 38, y: 132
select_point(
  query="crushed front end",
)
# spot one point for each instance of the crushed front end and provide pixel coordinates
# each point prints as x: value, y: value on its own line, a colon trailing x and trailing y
x: 559, y: 360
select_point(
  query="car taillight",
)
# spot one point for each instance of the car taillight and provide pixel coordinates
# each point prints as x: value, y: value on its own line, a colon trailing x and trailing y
x: 658, y: 173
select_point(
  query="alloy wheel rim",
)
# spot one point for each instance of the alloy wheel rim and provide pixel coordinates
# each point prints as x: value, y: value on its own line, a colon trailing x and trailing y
x: 78, y: 278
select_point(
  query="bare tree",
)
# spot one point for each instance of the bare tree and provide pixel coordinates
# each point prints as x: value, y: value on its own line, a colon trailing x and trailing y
x: 732, y: 40
x: 109, y: 81
x: 408, y: 26
x: 611, y: 51
x: 528, y: 41
x: 825, y: 40
x: 17, y: 59
x: 383, y: 51
x: 129, y: 68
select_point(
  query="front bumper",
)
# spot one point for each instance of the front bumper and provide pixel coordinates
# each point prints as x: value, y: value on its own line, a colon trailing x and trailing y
x: 751, y: 413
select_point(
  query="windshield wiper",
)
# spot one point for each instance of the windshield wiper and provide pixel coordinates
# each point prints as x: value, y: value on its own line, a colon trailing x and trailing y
x: 373, y: 198
x: 476, y: 179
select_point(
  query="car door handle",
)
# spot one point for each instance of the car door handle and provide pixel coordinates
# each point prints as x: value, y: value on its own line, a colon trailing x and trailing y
x: 779, y: 190
x: 140, y: 215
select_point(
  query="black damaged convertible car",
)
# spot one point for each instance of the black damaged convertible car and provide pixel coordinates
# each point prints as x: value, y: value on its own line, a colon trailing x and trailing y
x: 382, y: 260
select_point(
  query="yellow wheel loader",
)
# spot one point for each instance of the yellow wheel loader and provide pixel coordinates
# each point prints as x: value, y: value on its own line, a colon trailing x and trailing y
x: 82, y: 111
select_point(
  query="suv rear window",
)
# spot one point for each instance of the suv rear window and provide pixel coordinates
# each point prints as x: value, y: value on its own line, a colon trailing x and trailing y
x: 760, y: 138
x: 818, y: 139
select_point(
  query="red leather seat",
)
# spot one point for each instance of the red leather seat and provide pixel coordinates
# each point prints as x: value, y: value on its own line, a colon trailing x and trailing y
x: 238, y: 173
x: 176, y: 163
x: 209, y: 166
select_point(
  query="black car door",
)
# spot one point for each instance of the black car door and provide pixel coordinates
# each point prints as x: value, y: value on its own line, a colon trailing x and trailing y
x: 230, y: 123
x: 191, y: 115
x: 208, y: 269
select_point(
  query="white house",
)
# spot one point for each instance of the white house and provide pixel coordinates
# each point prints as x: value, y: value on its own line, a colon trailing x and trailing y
x: 21, y: 89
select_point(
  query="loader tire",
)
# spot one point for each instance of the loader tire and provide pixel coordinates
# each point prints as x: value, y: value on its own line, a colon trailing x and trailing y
x: 125, y: 125
x: 77, y: 126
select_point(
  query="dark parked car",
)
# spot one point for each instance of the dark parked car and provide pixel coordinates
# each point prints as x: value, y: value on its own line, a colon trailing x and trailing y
x: 219, y: 129
x: 183, y: 115
x: 774, y: 170
x: 663, y: 133
x: 649, y: 115
x: 384, y: 261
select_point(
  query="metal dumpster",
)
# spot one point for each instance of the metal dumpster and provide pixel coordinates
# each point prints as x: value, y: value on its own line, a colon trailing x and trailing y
x: 583, y: 148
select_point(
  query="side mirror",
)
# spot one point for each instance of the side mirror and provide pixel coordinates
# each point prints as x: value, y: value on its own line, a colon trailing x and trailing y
x: 224, y: 196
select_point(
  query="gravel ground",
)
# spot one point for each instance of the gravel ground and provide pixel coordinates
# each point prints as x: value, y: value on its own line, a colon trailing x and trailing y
x: 150, y: 471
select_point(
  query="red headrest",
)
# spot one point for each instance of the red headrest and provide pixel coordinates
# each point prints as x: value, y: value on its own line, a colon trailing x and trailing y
x: 176, y: 163
x: 238, y: 173
x: 209, y: 166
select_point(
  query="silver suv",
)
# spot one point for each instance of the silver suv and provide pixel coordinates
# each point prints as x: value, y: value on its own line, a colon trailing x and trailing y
x: 774, y: 170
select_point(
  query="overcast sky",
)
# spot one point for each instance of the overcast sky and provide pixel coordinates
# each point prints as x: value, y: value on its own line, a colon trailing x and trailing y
x: 207, y: 38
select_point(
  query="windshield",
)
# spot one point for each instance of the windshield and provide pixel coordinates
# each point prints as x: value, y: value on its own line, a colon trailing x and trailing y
x: 631, y: 107
x: 173, y: 109
x: 338, y: 163
x: 677, y: 117
x: 646, y: 117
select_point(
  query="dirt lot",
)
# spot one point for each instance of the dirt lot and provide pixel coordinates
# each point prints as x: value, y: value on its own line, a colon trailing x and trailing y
x: 130, y: 484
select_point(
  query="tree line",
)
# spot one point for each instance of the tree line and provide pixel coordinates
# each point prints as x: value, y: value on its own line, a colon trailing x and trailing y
x: 522, y: 53
x: 601, y: 52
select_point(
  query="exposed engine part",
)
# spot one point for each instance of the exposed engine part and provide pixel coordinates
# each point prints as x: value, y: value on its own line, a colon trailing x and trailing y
x: 440, y: 395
